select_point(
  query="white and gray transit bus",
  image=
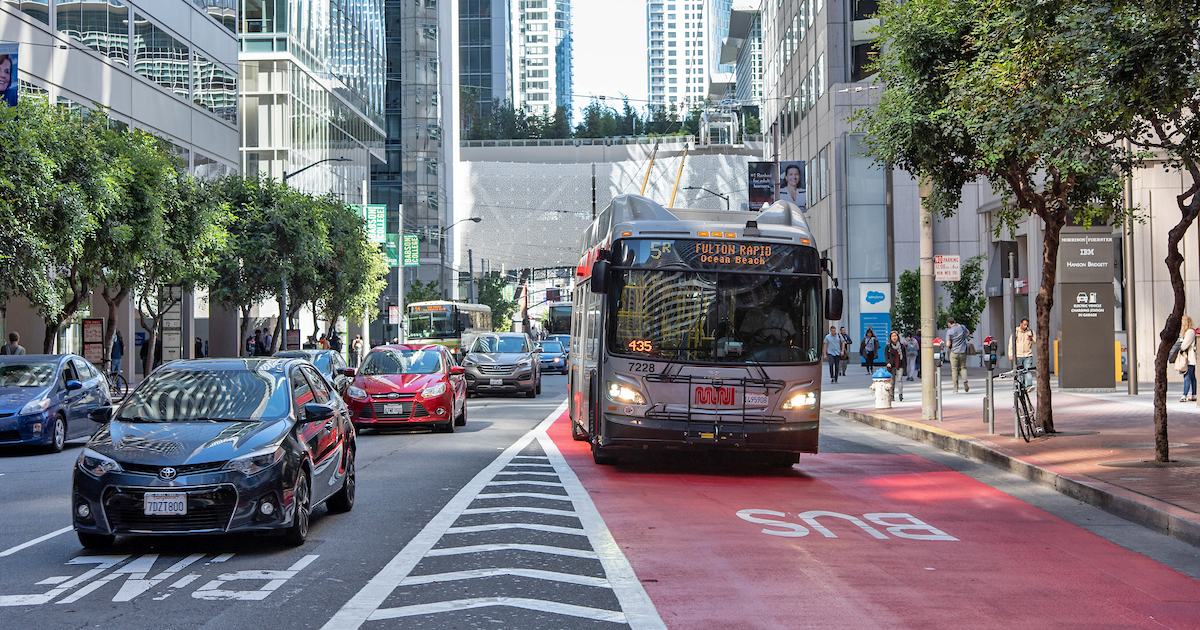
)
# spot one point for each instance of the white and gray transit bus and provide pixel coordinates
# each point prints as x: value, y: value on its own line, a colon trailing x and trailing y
x: 698, y: 330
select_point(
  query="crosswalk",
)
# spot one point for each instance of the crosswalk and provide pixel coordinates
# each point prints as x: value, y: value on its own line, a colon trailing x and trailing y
x: 521, y: 545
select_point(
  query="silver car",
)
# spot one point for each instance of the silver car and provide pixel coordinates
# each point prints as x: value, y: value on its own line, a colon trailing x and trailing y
x: 499, y: 363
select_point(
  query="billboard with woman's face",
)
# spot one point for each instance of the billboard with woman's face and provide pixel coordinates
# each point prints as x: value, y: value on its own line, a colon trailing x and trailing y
x: 763, y: 179
x: 8, y: 75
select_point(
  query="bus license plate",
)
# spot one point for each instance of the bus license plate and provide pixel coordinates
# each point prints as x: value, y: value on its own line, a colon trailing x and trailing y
x: 710, y: 396
x: 165, y: 504
x: 393, y: 410
x: 758, y: 400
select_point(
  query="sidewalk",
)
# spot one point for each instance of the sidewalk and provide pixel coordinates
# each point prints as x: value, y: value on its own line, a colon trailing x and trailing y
x: 1100, y: 455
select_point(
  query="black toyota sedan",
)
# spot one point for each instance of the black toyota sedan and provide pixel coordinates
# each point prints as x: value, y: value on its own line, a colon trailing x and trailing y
x: 211, y: 446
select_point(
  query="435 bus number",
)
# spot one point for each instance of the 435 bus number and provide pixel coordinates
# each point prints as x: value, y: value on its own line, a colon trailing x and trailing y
x: 641, y: 345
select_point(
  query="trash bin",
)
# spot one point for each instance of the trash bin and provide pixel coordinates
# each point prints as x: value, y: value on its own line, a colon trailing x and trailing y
x: 882, y: 384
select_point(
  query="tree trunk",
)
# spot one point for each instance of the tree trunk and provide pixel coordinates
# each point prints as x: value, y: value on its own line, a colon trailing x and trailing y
x: 244, y: 331
x: 316, y: 320
x: 1171, y: 329
x: 151, y: 342
x: 280, y: 327
x: 1051, y: 238
x: 110, y: 323
x: 52, y: 327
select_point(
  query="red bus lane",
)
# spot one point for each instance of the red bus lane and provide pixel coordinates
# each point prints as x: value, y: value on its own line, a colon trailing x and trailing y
x: 867, y: 541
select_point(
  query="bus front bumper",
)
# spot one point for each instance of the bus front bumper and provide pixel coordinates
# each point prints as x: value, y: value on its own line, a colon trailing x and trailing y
x: 627, y: 432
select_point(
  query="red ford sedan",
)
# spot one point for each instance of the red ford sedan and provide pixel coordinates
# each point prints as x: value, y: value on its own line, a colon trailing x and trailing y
x: 407, y: 385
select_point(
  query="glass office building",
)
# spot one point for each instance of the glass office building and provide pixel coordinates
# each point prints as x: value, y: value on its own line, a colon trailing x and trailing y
x: 484, y: 42
x: 313, y: 80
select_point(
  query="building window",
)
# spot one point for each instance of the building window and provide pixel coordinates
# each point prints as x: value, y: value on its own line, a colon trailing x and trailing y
x: 216, y: 89
x: 161, y: 58
x: 863, y: 61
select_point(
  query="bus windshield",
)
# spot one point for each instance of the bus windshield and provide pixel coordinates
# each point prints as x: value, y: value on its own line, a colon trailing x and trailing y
x: 432, y: 324
x: 697, y: 309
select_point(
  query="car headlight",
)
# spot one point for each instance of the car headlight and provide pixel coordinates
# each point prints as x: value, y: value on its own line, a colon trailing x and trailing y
x: 255, y: 462
x: 469, y: 360
x: 799, y: 400
x: 436, y: 390
x: 558, y: 359
x: 95, y: 464
x: 357, y: 393
x: 523, y: 362
x: 621, y: 393
x: 36, y: 405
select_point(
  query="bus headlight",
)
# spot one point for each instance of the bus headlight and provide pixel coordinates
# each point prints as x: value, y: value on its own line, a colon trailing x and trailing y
x: 800, y: 400
x: 621, y: 393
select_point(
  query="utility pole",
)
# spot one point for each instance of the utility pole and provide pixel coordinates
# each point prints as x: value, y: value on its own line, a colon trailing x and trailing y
x: 928, y: 402
x: 470, y: 276
x: 400, y: 308
x: 1131, y: 365
x: 593, y: 191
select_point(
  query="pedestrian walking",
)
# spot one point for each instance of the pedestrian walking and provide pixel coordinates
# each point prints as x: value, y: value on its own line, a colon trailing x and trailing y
x: 117, y: 351
x: 894, y: 358
x: 869, y: 349
x: 198, y: 347
x: 1020, y: 348
x: 1186, y: 361
x: 957, y: 337
x: 356, y: 351
x: 833, y: 352
x: 323, y: 343
x: 13, y: 346
x: 847, y: 343
x: 912, y: 350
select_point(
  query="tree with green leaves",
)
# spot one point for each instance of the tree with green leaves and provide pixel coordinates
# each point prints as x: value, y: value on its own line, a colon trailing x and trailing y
x: 1144, y: 58
x: 906, y: 307
x: 422, y: 292
x: 491, y: 293
x: 967, y: 297
x: 987, y: 89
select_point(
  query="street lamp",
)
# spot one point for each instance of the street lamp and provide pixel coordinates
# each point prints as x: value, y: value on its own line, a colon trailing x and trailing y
x: 287, y: 175
x: 725, y: 197
x: 442, y: 246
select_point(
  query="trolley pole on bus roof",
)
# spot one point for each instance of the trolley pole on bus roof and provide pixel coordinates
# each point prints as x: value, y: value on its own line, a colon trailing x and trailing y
x: 649, y: 167
x: 928, y: 394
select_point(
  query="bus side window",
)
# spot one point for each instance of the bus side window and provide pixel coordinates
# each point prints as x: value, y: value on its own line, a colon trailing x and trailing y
x: 464, y: 321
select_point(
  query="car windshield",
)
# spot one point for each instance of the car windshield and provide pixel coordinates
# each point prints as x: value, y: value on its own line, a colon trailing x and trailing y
x: 26, y: 374
x: 402, y: 362
x: 551, y: 347
x: 496, y: 343
x: 207, y: 395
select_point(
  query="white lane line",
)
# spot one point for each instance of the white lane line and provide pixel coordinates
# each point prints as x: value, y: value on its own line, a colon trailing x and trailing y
x: 515, y: 464
x: 532, y: 495
x: 531, y: 510
x: 221, y: 558
x: 541, y: 457
x: 537, y: 574
x: 11, y: 550
x: 494, y: 527
x: 558, y: 551
x: 526, y: 483
x: 368, y: 600
x: 528, y: 472
x: 537, y: 605
x: 639, y: 610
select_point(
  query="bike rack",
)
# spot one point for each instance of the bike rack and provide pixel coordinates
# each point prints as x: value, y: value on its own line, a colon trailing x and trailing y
x: 727, y: 427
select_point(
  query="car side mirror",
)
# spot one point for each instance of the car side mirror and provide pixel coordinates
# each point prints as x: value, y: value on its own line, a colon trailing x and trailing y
x: 74, y: 385
x: 600, y: 276
x: 316, y: 412
x: 101, y: 415
x: 346, y: 371
x: 458, y: 369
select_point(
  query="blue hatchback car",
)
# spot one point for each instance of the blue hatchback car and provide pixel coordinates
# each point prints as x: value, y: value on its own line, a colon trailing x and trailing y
x: 45, y: 399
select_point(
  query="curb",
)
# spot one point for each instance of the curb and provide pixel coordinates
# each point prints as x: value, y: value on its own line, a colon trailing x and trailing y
x: 1160, y: 516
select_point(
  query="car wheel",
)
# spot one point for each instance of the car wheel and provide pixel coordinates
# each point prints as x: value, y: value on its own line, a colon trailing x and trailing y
x: 343, y: 500
x: 59, y: 437
x: 539, y: 385
x: 462, y: 417
x: 95, y: 541
x: 298, y: 532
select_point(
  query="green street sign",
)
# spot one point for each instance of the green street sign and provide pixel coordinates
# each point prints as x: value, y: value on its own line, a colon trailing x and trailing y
x: 390, y: 250
x: 377, y: 222
x: 412, y: 254
x: 508, y: 292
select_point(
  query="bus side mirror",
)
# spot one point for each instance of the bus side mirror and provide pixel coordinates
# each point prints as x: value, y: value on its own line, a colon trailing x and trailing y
x: 833, y: 304
x: 600, y: 276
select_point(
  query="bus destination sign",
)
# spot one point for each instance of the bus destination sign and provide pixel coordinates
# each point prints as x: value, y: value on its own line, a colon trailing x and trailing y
x: 717, y: 255
x: 427, y: 308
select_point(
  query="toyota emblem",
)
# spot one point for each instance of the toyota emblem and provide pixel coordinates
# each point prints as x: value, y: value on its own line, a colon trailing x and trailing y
x: 167, y: 474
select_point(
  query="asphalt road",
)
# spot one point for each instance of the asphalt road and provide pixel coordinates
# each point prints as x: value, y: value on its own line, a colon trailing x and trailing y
x: 502, y: 524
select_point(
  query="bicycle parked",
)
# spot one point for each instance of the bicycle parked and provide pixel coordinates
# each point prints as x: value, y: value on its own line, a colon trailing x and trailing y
x: 117, y: 385
x: 1023, y: 408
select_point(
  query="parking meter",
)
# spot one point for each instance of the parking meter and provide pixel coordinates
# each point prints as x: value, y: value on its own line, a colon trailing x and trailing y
x: 989, y: 353
x: 939, y: 355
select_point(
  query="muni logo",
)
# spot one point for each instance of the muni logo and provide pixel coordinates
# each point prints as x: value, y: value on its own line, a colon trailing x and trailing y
x: 708, y: 395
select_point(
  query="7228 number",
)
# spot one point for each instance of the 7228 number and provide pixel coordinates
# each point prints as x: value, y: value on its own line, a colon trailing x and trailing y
x: 641, y: 367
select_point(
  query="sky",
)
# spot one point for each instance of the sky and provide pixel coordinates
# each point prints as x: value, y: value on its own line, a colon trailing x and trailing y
x: 609, y: 50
